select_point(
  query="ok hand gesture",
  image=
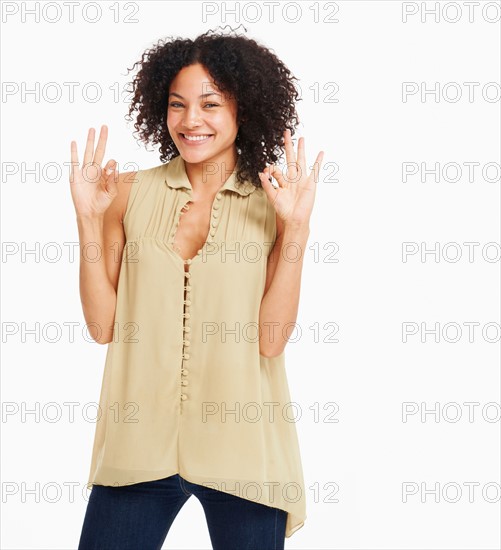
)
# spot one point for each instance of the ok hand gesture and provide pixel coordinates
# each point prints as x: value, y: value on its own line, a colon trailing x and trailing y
x: 293, y: 199
x: 92, y: 187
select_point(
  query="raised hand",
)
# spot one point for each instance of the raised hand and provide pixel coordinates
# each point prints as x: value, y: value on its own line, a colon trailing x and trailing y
x: 294, y: 197
x: 93, y: 188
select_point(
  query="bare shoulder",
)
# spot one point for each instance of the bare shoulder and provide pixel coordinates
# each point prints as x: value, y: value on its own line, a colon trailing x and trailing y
x: 119, y: 206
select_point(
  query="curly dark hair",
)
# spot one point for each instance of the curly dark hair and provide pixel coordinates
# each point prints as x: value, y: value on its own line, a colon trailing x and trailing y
x: 249, y: 72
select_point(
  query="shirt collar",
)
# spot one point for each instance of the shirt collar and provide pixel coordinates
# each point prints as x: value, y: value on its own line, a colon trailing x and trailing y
x: 176, y: 178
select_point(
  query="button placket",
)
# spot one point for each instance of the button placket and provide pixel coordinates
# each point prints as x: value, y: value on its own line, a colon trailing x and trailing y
x: 184, y: 209
x: 213, y: 219
x: 186, y: 331
x: 187, y: 288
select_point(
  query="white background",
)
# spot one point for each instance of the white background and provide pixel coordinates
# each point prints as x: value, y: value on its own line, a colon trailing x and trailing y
x: 366, y: 209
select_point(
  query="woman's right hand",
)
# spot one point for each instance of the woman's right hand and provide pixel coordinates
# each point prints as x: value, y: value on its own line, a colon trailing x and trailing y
x: 93, y: 188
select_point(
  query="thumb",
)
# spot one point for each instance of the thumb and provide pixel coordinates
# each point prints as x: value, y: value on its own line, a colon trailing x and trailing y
x: 265, y: 178
x: 111, y: 174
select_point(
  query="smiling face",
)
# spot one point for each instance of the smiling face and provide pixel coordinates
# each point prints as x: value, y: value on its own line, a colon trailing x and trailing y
x: 197, y: 108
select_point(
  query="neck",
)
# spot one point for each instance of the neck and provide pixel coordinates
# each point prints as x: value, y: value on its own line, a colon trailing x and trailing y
x: 207, y: 176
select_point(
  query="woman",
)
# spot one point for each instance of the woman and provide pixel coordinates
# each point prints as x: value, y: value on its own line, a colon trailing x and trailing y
x: 196, y: 292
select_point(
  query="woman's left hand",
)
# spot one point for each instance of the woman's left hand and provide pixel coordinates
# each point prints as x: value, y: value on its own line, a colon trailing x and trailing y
x: 293, y: 199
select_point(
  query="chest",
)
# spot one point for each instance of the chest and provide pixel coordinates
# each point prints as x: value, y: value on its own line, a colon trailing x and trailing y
x: 192, y: 227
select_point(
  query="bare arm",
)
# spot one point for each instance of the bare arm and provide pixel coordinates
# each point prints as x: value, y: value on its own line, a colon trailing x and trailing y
x: 280, y: 303
x: 100, y: 197
x: 293, y: 203
x: 102, y: 240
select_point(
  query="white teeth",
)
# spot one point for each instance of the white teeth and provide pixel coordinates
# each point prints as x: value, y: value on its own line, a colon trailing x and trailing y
x: 195, y: 138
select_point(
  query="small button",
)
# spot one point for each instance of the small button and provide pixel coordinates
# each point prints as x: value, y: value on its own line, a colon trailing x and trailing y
x: 188, y: 261
x: 212, y: 232
x: 186, y: 355
x: 184, y: 371
x: 186, y: 329
x: 214, y: 224
x: 218, y: 196
x: 186, y: 343
x: 184, y: 382
x: 186, y: 315
x: 184, y: 396
x: 187, y: 302
x: 188, y: 288
x: 199, y: 251
x: 216, y: 206
x: 215, y: 215
x: 187, y: 275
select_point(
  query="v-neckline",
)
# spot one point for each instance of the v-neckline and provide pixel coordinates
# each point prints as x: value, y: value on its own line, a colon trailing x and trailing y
x: 188, y: 261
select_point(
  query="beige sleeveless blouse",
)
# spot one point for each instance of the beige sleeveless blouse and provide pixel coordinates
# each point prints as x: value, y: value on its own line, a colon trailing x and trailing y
x: 185, y: 389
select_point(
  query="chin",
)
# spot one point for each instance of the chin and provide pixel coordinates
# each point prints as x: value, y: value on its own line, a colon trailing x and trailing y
x: 195, y: 157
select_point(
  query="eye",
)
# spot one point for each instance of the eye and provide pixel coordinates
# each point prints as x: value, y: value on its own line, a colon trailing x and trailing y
x: 177, y: 104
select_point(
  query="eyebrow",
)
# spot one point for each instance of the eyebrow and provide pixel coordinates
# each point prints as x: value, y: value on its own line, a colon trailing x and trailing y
x: 201, y: 96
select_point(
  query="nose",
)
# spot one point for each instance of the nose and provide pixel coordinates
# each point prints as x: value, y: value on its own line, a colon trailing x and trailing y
x: 192, y: 117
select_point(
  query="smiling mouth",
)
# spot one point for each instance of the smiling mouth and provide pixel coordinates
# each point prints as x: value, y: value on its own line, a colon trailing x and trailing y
x: 201, y: 138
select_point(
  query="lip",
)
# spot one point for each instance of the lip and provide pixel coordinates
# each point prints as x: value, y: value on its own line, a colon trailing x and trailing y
x: 195, y: 143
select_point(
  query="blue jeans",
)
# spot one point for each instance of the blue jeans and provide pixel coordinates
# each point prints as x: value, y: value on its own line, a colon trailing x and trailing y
x: 139, y: 516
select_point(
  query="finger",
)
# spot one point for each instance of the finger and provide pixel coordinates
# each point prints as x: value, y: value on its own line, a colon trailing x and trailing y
x: 74, y: 160
x: 74, y: 153
x: 316, y: 166
x: 112, y: 177
x: 89, y: 148
x: 101, y: 145
x: 270, y: 190
x: 289, y: 147
x: 109, y: 167
x: 301, y: 155
x: 277, y: 174
x: 291, y: 158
